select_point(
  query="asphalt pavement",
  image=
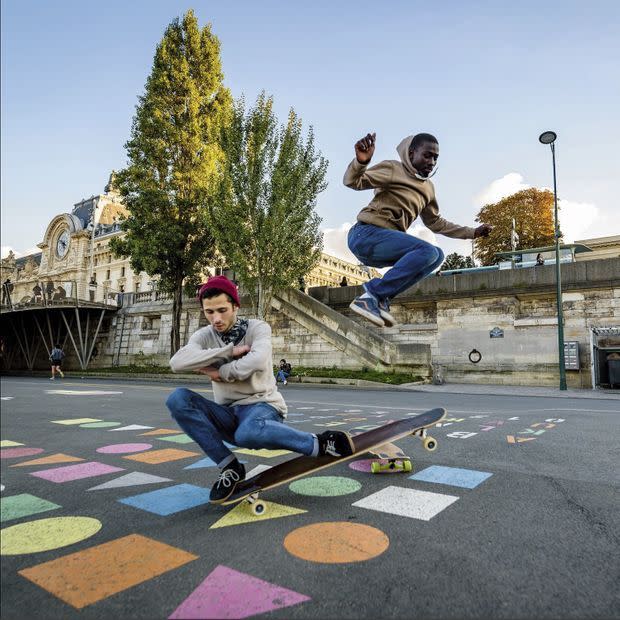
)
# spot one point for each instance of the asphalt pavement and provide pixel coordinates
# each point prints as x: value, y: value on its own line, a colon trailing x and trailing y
x: 514, y: 515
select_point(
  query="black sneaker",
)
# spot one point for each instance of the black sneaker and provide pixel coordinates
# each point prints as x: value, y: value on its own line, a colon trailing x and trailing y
x: 229, y: 477
x: 335, y: 443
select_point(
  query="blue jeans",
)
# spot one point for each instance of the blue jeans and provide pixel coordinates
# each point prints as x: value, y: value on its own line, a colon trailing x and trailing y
x: 282, y: 376
x: 411, y: 259
x: 249, y: 426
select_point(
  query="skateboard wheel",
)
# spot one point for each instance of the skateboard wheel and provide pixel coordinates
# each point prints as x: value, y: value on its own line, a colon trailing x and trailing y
x: 375, y: 467
x: 407, y: 466
x: 430, y: 444
x: 258, y: 508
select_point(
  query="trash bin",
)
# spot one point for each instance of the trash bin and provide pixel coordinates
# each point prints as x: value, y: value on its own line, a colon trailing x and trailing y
x: 613, y: 366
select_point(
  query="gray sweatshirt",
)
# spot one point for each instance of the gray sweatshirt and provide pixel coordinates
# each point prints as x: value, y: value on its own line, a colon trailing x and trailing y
x: 246, y: 380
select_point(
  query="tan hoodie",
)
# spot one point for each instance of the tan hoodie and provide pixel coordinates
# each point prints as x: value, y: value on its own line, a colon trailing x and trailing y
x: 400, y: 197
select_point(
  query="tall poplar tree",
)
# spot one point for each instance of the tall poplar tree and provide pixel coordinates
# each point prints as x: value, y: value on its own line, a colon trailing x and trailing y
x: 173, y: 155
x: 264, y: 217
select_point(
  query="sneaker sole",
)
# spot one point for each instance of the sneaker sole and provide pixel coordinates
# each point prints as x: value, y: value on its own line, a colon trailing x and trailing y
x: 223, y: 499
x: 373, y: 318
x: 388, y: 319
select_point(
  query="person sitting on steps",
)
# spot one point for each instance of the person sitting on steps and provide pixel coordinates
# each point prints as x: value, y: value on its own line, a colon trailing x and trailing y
x: 247, y: 409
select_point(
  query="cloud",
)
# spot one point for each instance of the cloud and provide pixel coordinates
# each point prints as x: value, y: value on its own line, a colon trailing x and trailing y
x: 577, y: 219
x: 335, y: 243
x: 509, y: 184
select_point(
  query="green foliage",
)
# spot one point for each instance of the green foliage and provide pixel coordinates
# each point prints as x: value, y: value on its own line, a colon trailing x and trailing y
x: 532, y: 210
x: 263, y: 215
x: 173, y: 158
x: 457, y: 261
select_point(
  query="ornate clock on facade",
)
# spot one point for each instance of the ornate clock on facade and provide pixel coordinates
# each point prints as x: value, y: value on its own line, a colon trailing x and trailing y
x: 62, y: 244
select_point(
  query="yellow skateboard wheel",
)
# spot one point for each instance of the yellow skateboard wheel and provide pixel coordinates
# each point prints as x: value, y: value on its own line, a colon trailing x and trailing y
x: 375, y: 467
x: 429, y: 444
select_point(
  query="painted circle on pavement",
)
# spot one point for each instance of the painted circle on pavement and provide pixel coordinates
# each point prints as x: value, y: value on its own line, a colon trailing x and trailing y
x: 46, y: 534
x: 124, y: 448
x: 325, y: 486
x: 336, y: 542
x: 99, y: 424
x: 362, y: 465
x: 13, y: 453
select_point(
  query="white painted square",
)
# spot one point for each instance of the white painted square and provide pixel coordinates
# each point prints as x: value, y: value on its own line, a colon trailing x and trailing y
x: 407, y: 502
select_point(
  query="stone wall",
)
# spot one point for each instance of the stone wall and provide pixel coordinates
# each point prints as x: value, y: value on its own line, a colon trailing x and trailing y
x: 448, y: 316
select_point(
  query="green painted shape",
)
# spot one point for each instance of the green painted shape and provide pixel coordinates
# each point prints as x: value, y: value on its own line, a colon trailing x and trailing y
x: 99, y: 424
x: 177, y: 438
x: 24, y: 505
x: 325, y: 486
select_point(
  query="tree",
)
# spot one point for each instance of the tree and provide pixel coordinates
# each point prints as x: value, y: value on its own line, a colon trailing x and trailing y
x: 457, y: 261
x: 532, y: 210
x: 263, y: 217
x: 173, y: 156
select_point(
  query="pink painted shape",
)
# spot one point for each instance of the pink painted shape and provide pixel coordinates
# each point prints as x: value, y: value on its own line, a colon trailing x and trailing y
x: 363, y: 465
x: 11, y: 453
x: 226, y: 593
x: 76, y: 472
x: 124, y: 448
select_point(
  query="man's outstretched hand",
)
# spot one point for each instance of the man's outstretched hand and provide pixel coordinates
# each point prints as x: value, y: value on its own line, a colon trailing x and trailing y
x: 365, y: 148
x: 483, y: 230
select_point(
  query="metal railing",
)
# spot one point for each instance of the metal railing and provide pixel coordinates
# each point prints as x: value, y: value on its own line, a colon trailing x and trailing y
x: 51, y: 293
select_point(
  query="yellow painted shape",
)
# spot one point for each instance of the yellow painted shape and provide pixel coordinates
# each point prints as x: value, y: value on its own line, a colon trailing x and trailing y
x: 7, y: 443
x: 46, y: 534
x: 154, y: 457
x: 242, y: 513
x: 160, y: 431
x: 263, y: 452
x: 86, y: 577
x: 52, y: 458
x: 76, y: 421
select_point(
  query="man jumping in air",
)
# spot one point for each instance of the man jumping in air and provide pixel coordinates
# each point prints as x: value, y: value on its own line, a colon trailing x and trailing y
x: 247, y: 409
x: 403, y: 192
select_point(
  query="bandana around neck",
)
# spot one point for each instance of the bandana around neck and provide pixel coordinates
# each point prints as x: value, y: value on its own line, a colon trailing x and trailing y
x: 236, y: 333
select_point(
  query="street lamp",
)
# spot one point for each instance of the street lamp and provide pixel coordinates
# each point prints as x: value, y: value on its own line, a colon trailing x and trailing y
x: 549, y: 137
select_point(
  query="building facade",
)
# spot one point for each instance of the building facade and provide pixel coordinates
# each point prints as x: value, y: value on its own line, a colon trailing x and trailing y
x: 75, y: 259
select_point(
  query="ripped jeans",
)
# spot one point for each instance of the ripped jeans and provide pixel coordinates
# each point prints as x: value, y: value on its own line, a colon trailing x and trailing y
x: 255, y: 426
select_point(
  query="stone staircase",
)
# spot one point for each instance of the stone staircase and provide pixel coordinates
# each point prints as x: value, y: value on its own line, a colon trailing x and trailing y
x: 350, y: 337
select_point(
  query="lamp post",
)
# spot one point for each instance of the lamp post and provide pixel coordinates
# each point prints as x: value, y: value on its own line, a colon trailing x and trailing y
x: 549, y: 137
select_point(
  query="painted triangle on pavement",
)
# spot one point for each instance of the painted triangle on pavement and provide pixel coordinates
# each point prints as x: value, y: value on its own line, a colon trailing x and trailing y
x: 7, y: 443
x: 227, y: 593
x: 131, y: 427
x: 242, y: 513
x: 206, y: 462
x: 49, y: 460
x: 133, y: 479
x: 161, y: 431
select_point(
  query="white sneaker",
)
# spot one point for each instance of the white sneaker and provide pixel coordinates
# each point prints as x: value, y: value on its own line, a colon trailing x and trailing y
x: 285, y: 382
x: 52, y: 378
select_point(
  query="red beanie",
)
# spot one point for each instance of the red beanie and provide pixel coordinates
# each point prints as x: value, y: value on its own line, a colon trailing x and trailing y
x: 220, y: 283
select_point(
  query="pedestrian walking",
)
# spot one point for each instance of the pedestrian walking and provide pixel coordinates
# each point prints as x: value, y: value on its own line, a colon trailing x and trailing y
x: 56, y: 357
x: 403, y: 192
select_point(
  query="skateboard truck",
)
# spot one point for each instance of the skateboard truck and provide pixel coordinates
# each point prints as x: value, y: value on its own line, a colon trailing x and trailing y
x: 428, y: 442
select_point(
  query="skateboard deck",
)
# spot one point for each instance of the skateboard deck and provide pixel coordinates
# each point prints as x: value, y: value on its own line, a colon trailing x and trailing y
x: 303, y: 465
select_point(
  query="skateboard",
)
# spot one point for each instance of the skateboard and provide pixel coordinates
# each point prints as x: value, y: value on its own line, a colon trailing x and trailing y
x: 391, y: 458
x: 370, y: 441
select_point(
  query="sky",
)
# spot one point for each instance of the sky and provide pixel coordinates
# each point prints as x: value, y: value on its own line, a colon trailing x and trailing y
x: 485, y: 77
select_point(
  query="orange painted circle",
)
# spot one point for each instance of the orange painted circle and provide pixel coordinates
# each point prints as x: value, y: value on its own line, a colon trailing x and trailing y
x: 337, y: 542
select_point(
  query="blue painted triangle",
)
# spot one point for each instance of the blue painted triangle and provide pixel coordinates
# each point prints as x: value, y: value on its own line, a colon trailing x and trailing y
x: 206, y: 462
